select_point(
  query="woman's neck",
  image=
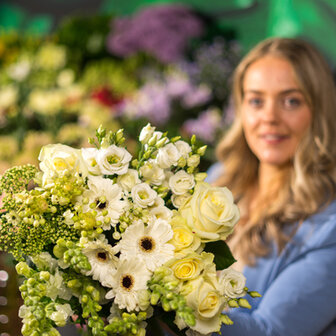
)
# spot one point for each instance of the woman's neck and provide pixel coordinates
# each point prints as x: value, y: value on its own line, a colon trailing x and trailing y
x: 267, y: 176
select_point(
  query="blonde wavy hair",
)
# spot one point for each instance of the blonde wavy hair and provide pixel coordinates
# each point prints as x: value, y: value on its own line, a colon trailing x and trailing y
x: 304, y: 185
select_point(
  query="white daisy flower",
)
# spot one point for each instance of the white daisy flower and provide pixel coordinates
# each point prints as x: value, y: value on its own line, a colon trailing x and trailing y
x: 107, y: 198
x: 149, y: 243
x: 102, y: 259
x: 130, y: 279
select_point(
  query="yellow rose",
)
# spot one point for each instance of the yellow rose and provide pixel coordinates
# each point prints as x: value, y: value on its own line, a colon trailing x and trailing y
x: 204, y: 297
x: 187, y: 268
x: 210, y: 212
x: 183, y: 237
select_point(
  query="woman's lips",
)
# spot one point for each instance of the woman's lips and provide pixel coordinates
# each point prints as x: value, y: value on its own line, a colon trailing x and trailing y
x: 273, y: 138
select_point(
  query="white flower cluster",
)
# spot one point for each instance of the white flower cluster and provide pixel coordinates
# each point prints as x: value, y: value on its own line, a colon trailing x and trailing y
x: 138, y: 214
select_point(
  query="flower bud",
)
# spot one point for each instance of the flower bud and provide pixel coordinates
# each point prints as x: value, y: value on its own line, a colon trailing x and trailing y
x: 226, y: 319
x: 233, y: 304
x: 244, y: 303
x: 201, y: 150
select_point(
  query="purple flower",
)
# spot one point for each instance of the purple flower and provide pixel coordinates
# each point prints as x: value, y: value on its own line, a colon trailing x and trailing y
x: 150, y: 102
x: 162, y: 30
x: 205, y: 126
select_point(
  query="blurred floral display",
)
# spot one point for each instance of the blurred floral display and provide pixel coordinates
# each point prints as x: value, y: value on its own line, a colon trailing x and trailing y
x: 160, y: 65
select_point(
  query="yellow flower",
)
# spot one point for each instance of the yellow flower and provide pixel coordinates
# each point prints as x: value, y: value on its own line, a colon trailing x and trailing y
x: 203, y: 296
x: 210, y: 212
x: 183, y: 237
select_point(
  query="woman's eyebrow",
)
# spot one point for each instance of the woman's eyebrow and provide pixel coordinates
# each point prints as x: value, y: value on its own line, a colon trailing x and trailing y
x: 255, y: 91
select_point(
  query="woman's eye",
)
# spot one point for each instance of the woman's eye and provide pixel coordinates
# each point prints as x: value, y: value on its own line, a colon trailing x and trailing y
x: 292, y: 102
x: 255, y: 102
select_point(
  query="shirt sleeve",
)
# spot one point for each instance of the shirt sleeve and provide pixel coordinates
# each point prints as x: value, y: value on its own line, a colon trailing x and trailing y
x: 214, y: 172
x: 300, y: 301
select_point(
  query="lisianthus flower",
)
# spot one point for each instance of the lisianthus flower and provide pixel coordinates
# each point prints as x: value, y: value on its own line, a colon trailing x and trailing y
x: 102, y: 259
x: 149, y: 243
x: 130, y: 279
x: 168, y: 156
x: 113, y: 160
x: 143, y: 195
x: 129, y: 180
x: 107, y: 199
x: 181, y: 182
x: 152, y: 173
x: 161, y: 212
x: 90, y: 158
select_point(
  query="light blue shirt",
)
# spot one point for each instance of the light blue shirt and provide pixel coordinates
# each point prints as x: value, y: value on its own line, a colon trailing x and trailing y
x: 298, y: 286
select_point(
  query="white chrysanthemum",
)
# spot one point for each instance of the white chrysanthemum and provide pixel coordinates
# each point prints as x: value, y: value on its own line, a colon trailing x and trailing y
x: 90, y: 157
x: 143, y: 195
x: 113, y: 160
x: 149, y: 243
x: 107, y: 198
x: 130, y: 279
x: 103, y: 261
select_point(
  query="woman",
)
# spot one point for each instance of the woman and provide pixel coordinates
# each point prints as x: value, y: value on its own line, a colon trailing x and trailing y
x: 279, y: 161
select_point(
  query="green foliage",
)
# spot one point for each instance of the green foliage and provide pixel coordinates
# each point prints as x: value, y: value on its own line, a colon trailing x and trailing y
x: 223, y: 256
x: 16, y: 179
x: 85, y: 36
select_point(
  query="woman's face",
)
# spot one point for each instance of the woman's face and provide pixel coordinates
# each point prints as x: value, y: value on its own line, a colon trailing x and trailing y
x: 275, y: 114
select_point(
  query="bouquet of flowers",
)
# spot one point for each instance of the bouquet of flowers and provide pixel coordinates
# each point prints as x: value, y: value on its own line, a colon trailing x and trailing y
x: 115, y: 243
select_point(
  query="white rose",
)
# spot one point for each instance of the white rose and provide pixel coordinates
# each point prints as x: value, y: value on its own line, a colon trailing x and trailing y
x: 232, y: 283
x: 113, y: 160
x: 90, y: 157
x: 128, y: 180
x: 183, y: 147
x: 143, y: 195
x: 167, y: 156
x: 181, y: 182
x: 152, y: 173
x: 193, y: 160
x: 211, y: 212
x: 179, y: 200
x: 57, y: 160
x: 146, y: 133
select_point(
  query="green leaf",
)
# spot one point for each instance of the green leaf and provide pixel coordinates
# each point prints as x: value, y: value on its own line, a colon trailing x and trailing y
x: 221, y: 251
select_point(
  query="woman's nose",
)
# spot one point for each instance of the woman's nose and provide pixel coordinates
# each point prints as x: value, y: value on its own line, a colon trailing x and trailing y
x: 270, y: 112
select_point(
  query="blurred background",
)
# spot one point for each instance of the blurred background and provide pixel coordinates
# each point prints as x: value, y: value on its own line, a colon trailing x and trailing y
x: 67, y: 66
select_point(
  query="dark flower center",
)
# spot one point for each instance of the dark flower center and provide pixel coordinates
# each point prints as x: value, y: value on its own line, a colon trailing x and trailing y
x: 101, y: 205
x: 127, y: 282
x: 147, y: 244
x: 102, y: 256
